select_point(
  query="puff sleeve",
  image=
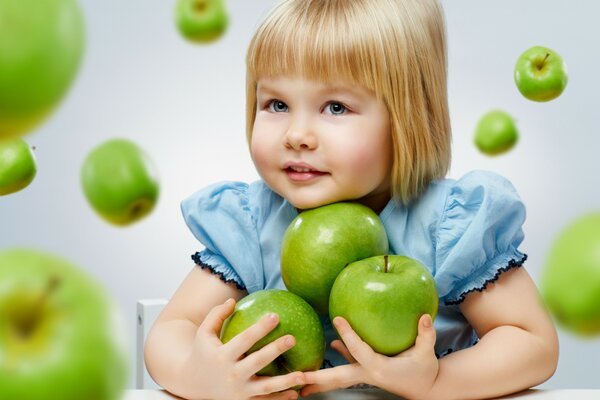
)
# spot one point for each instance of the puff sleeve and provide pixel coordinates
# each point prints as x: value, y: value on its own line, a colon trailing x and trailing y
x: 479, y: 234
x: 221, y: 218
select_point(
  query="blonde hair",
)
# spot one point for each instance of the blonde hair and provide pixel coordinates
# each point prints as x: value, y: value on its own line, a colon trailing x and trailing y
x: 395, y: 48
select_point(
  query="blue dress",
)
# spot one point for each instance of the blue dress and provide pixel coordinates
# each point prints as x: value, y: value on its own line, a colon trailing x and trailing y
x: 466, y: 231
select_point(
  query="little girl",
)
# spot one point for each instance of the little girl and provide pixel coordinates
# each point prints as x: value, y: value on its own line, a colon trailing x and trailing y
x: 347, y: 102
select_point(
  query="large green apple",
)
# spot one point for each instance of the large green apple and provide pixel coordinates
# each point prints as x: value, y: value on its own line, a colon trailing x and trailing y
x: 60, y: 335
x: 320, y: 242
x: 201, y: 21
x: 296, y: 318
x: 383, y: 298
x: 571, y: 276
x: 41, y: 46
x: 541, y: 74
x: 120, y: 181
x: 17, y: 165
x: 496, y: 133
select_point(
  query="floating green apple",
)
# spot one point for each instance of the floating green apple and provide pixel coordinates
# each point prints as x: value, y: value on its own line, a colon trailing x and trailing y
x: 201, y: 21
x: 120, y: 181
x: 320, y: 242
x: 571, y: 276
x: 541, y: 74
x: 296, y: 318
x: 17, y: 165
x: 383, y: 298
x: 60, y: 334
x: 496, y: 133
x: 41, y: 46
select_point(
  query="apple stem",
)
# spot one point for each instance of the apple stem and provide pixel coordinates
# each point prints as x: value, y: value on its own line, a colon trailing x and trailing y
x: 385, y: 264
x: 29, y: 322
x: 541, y: 65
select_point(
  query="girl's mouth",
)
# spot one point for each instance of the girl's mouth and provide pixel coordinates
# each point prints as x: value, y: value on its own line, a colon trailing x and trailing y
x: 302, y: 174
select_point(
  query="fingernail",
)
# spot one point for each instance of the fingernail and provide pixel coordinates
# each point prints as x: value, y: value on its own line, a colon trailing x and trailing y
x: 300, y: 380
x: 290, y: 341
x: 427, y: 323
x: 229, y: 301
x: 273, y: 317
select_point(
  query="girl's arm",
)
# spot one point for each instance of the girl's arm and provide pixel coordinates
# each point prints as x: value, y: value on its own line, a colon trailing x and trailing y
x: 184, y: 355
x: 518, y: 348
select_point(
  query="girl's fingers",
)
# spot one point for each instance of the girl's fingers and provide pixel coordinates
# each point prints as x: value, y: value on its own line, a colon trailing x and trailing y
x: 357, y: 348
x: 263, y: 385
x: 256, y: 361
x: 339, y: 346
x: 426, y: 335
x: 242, y: 342
x: 216, y: 316
x: 285, y: 395
x: 331, y: 378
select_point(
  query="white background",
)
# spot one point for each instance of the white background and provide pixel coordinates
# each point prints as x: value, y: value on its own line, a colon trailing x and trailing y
x: 184, y: 104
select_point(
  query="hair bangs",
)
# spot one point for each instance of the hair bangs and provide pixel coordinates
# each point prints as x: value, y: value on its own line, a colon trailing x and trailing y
x: 316, y: 41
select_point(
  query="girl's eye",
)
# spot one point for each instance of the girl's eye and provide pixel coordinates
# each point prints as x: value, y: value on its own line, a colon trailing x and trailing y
x: 277, y: 106
x: 336, y: 108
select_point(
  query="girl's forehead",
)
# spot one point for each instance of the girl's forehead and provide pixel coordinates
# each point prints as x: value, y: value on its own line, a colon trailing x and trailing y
x: 322, y: 86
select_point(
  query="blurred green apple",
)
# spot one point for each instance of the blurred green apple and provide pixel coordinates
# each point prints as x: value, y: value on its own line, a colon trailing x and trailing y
x: 120, y: 181
x: 383, y: 298
x: 17, y: 165
x: 496, y: 133
x: 60, y: 335
x: 570, y: 281
x: 540, y: 74
x: 201, y: 21
x: 296, y: 318
x: 320, y: 242
x: 41, y: 46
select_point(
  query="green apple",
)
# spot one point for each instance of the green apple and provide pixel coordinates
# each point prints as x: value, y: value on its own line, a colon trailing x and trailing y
x: 570, y: 281
x: 41, y: 46
x: 540, y: 74
x: 17, y: 165
x: 61, y: 336
x: 320, y: 242
x: 496, y: 133
x: 201, y: 21
x: 296, y: 318
x: 120, y: 181
x: 383, y: 298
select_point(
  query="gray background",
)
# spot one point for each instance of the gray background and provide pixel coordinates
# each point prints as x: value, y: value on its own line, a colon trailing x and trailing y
x: 184, y: 104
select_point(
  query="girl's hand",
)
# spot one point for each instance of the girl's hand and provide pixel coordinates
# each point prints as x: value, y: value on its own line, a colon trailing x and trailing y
x: 410, y: 374
x: 221, y: 371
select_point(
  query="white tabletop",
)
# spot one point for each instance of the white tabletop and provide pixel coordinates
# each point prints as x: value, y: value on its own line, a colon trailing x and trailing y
x: 373, y: 394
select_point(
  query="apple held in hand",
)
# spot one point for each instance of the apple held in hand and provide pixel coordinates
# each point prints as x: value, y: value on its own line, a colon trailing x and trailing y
x: 383, y: 298
x: 201, y: 21
x: 60, y: 335
x: 17, y: 165
x: 570, y: 282
x: 541, y: 74
x: 120, y: 181
x: 320, y: 242
x: 41, y: 46
x: 296, y: 318
x: 496, y: 133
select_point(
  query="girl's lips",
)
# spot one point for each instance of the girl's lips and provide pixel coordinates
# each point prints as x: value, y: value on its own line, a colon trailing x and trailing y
x: 302, y: 172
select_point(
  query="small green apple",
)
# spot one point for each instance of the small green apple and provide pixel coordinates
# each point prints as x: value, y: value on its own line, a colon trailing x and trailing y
x: 41, y: 46
x: 296, y: 318
x: 496, y: 133
x: 570, y: 281
x: 383, y: 298
x: 17, y: 165
x: 61, y: 337
x: 320, y: 242
x: 540, y: 74
x: 201, y: 21
x: 120, y: 181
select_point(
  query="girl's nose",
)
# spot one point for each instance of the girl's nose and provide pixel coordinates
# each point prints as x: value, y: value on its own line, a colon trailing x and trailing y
x: 300, y: 138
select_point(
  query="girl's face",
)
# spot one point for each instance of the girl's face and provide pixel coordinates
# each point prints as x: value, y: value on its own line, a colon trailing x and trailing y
x: 316, y: 144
